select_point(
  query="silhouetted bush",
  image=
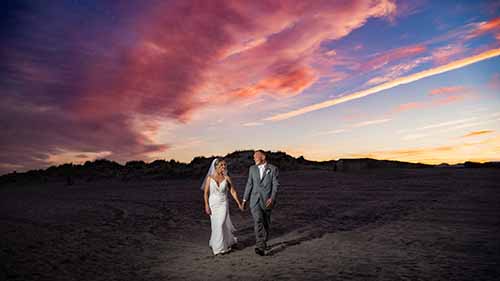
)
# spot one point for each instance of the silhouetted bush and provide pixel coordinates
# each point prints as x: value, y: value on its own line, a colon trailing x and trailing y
x: 470, y: 164
x: 238, y: 164
x: 369, y: 163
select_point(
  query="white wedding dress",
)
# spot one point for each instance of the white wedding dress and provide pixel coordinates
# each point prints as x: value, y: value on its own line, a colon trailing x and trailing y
x: 222, y: 237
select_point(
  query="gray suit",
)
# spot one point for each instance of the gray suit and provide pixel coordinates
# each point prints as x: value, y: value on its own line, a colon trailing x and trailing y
x: 258, y: 191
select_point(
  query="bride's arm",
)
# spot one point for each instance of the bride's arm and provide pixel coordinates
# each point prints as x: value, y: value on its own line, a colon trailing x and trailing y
x: 205, y: 196
x: 233, y: 192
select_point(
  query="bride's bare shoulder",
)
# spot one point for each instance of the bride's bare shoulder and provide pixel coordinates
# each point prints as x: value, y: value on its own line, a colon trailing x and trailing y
x: 228, y: 178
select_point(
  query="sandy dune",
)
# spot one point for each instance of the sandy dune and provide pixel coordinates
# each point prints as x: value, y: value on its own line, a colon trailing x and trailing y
x: 420, y: 224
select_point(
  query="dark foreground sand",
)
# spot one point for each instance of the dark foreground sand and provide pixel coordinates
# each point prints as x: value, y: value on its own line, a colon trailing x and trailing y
x: 428, y: 224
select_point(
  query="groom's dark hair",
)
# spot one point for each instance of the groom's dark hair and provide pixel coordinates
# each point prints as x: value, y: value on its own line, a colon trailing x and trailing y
x: 261, y: 151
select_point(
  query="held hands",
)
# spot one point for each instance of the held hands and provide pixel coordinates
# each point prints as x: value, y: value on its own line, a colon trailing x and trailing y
x: 269, y: 203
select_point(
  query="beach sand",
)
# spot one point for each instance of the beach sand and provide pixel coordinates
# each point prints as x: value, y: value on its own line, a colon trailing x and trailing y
x: 399, y: 224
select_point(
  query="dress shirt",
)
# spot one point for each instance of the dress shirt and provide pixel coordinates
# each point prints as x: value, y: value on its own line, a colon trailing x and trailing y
x: 262, y: 168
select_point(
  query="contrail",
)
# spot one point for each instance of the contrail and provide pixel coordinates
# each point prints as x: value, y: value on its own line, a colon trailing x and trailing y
x: 388, y: 85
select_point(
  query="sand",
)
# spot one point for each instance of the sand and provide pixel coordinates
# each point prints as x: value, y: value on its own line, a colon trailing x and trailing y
x: 413, y: 224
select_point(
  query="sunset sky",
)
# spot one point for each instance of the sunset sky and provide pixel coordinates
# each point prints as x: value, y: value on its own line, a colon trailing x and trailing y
x: 414, y: 81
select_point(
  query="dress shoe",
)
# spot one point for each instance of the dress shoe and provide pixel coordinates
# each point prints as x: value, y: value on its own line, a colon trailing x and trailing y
x: 260, y: 252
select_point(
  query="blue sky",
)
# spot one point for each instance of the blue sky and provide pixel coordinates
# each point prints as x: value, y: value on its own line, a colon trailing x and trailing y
x: 407, y: 80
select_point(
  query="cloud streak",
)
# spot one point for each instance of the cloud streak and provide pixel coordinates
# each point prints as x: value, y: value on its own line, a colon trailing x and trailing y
x: 353, y: 126
x: 371, y: 122
x: 447, y: 90
x: 391, y: 84
x: 478, y: 133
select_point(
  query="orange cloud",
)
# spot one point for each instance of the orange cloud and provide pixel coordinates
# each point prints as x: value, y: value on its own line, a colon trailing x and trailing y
x: 414, y: 153
x: 410, y: 106
x: 477, y: 133
x: 485, y: 27
x: 282, y: 84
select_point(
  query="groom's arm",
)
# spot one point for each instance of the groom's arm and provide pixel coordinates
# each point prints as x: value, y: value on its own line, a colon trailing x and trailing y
x: 249, y: 186
x: 275, y: 185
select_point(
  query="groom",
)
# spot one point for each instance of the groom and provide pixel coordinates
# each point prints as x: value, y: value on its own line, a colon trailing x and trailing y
x: 261, y: 189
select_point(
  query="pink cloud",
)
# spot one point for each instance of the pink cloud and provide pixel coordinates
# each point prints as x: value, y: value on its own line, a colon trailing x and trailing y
x: 454, y: 49
x: 447, y: 53
x: 397, y: 70
x: 168, y: 61
x: 447, y: 90
x: 410, y: 106
x: 383, y: 59
x: 494, y: 82
x: 491, y: 26
x: 441, y: 96
x: 187, y: 50
x: 449, y: 99
x: 293, y: 43
x: 393, y: 63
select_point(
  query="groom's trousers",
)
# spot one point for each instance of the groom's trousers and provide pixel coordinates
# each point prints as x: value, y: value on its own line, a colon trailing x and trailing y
x: 262, y: 222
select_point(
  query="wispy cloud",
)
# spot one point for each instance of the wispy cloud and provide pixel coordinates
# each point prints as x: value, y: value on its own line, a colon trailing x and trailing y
x: 444, y: 54
x: 448, y: 126
x: 477, y: 133
x: 355, y: 125
x: 414, y: 136
x: 252, y: 124
x: 494, y: 82
x: 397, y: 71
x: 485, y: 27
x: 439, y: 125
x: 447, y: 90
x: 385, y: 58
x: 77, y: 157
x: 391, y: 84
x: 465, y: 125
x: 371, y: 122
x: 410, y: 106
x: 439, y: 101
x: 330, y: 132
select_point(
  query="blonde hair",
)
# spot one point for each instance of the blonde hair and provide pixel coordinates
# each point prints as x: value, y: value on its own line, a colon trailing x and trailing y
x: 218, y: 161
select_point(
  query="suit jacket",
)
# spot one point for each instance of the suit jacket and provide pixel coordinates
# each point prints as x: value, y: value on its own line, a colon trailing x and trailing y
x: 258, y: 190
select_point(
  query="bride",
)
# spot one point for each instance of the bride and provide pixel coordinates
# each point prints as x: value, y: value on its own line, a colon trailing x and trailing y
x: 215, y: 186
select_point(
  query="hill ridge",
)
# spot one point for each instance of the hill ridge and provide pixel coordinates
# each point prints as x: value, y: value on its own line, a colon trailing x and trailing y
x: 238, y: 163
